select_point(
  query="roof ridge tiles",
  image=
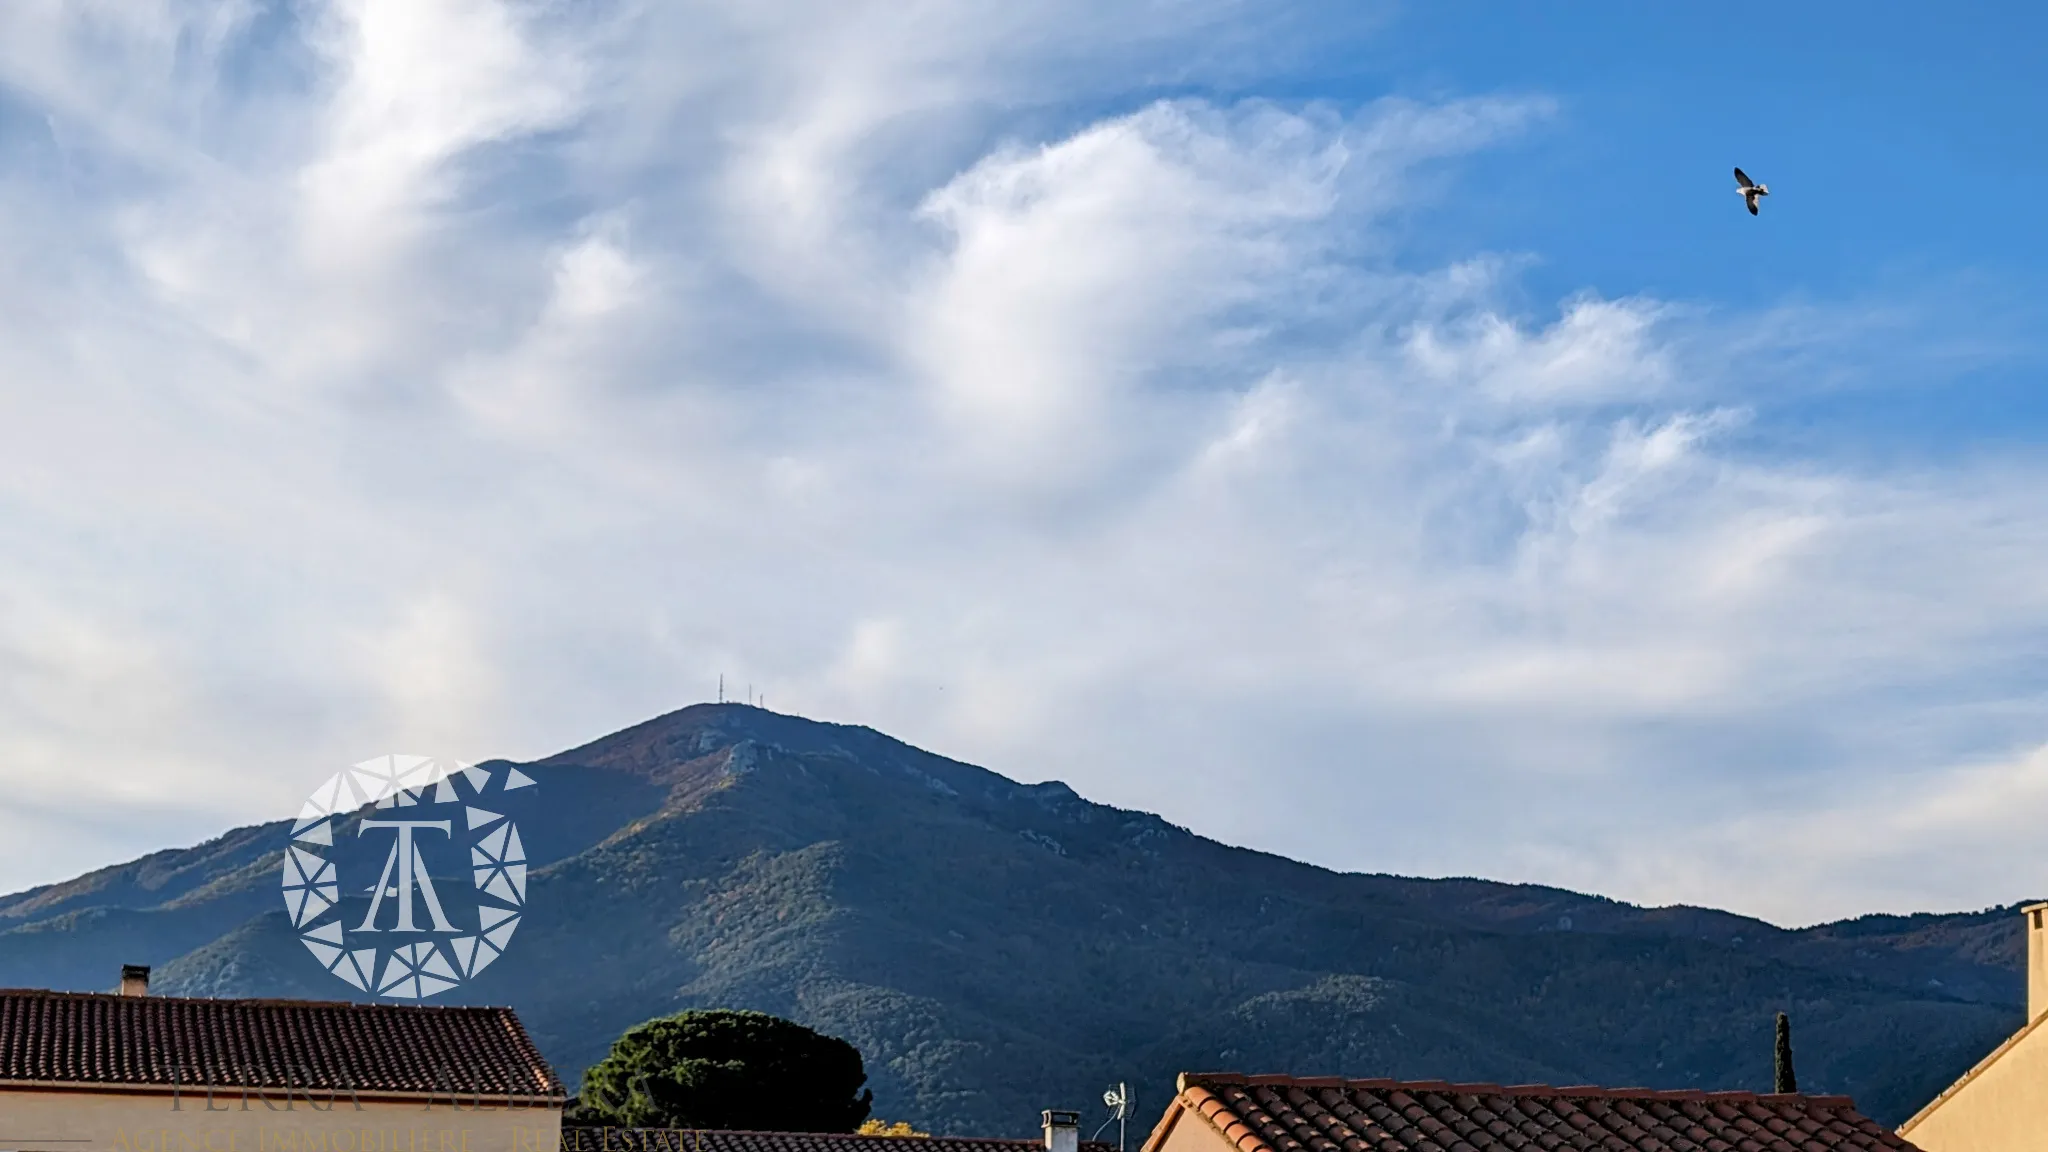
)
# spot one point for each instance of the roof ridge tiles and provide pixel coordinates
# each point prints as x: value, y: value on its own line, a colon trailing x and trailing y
x: 1219, y: 1115
x: 1477, y: 1088
x: 1257, y: 1114
x: 594, y: 1138
x: 830, y: 1135
x: 268, y: 1002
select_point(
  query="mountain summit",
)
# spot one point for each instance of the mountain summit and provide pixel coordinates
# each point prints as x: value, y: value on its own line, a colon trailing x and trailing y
x: 997, y: 948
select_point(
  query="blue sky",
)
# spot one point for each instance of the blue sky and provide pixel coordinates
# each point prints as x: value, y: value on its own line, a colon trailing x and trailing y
x: 1371, y: 433
x: 1861, y: 111
x: 1897, y: 140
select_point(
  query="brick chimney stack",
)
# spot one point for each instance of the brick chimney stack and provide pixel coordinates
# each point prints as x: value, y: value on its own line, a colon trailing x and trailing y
x: 134, y: 979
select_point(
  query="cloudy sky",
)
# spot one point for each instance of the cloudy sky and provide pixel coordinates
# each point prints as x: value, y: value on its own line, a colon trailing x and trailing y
x: 1366, y: 432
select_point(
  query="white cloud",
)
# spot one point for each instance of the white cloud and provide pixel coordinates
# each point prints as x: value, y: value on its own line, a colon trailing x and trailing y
x: 1961, y: 836
x: 1080, y: 272
x: 1600, y: 350
x: 488, y: 375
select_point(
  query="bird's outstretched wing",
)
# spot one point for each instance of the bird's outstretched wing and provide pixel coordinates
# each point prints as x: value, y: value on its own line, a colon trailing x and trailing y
x: 1743, y: 179
x: 1751, y: 201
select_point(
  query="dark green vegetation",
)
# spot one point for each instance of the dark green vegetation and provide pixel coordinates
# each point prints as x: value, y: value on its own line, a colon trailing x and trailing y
x: 995, y: 948
x: 725, y: 1069
x: 1783, y: 1078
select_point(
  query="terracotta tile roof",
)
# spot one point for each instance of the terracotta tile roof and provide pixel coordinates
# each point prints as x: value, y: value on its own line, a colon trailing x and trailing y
x: 1287, y: 1114
x: 576, y: 1139
x: 140, y: 1041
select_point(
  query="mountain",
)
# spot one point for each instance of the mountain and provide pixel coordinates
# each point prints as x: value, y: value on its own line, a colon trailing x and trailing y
x: 996, y: 948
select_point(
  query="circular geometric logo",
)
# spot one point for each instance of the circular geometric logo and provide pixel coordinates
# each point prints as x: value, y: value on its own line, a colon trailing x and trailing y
x: 405, y: 875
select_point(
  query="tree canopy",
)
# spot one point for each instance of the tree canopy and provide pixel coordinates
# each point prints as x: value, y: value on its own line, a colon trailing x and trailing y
x: 726, y: 1069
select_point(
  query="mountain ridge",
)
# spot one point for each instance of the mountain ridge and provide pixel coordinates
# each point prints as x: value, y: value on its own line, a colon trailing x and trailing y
x: 995, y: 948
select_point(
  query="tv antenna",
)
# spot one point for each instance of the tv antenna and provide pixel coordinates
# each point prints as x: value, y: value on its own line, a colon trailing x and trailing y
x: 1119, y: 1101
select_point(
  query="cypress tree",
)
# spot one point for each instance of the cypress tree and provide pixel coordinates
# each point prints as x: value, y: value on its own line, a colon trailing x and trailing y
x: 1783, y: 1079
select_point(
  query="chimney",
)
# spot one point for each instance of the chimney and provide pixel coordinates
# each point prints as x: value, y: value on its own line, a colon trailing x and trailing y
x: 1062, y: 1131
x: 134, y: 979
x: 2037, y: 961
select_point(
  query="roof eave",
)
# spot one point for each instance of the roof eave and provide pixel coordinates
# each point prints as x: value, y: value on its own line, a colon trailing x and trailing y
x: 278, y: 1092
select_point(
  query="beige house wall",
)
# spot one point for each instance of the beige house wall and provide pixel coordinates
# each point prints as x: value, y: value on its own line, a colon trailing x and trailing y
x: 1194, y: 1134
x: 1187, y: 1131
x: 59, y: 1120
x: 1998, y: 1107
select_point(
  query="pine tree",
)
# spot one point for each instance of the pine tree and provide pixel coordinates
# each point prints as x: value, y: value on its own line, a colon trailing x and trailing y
x: 724, y: 1069
x: 1783, y: 1079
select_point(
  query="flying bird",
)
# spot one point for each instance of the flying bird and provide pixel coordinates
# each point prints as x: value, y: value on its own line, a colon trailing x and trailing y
x: 1750, y: 190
